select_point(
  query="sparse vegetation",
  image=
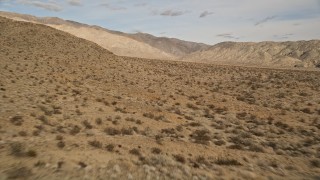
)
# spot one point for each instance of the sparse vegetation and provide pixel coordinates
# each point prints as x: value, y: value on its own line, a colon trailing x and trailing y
x: 76, y: 106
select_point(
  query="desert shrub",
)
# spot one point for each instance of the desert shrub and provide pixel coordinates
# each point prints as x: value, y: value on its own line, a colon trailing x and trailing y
x: 168, y: 131
x: 303, y: 94
x: 281, y: 125
x: 256, y: 148
x: 75, y: 130
x: 180, y: 158
x: 47, y: 111
x: 156, y: 150
x: 219, y: 142
x: 122, y: 110
x: 242, y: 139
x: 148, y: 115
x: 194, y: 124
x: 236, y: 146
x: 257, y: 132
x: 19, y: 173
x: 241, y: 115
x: 111, y: 131
x: 40, y: 164
x: 36, y: 132
x: 61, y: 144
x: 82, y: 164
x: 203, y: 160
x: 127, y: 131
x: 306, y: 110
x: 130, y: 119
x: 138, y: 121
x: 227, y: 162
x: 110, y: 147
x: 106, y: 103
x: 95, y: 143
x: 16, y: 120
x: 315, y: 163
x: 87, y: 125
x: 22, y: 133
x: 160, y: 118
x: 31, y: 153
x: 135, y: 151
x: 220, y: 110
x: 280, y: 95
x: 190, y: 118
x: 43, y: 119
x: 17, y: 149
x: 159, y: 138
x: 201, y: 136
x: 179, y: 128
x: 59, y: 137
x: 192, y: 106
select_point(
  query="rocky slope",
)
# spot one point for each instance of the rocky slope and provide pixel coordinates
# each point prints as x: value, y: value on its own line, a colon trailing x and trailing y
x: 272, y: 54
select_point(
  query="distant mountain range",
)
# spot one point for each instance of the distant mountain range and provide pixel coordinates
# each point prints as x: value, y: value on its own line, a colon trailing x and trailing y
x: 267, y: 54
x: 270, y: 54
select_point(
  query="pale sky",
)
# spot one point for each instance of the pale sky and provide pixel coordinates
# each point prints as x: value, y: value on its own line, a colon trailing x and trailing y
x: 207, y: 21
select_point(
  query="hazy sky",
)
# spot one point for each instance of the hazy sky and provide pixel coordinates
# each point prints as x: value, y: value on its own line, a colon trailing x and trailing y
x: 208, y: 21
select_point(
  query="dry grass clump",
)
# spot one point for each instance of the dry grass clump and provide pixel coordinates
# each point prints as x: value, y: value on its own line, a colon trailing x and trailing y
x: 95, y: 143
x: 111, y: 131
x: 17, y: 120
x: 201, y: 136
x: 135, y: 151
x: 110, y: 147
x: 180, y: 158
x: 19, y: 173
x: 19, y: 150
x: 223, y: 161
x: 156, y: 150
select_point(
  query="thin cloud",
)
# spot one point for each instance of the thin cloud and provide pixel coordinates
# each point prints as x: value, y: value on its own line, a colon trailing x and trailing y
x: 171, y: 13
x: 227, y: 36
x: 269, y: 18
x: 51, y: 6
x: 205, y: 13
x: 113, y: 8
x: 136, y: 31
x: 284, y: 36
x: 141, y: 4
x: 75, y: 2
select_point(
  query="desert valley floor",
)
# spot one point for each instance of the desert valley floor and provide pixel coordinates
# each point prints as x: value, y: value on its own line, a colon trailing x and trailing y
x: 72, y: 110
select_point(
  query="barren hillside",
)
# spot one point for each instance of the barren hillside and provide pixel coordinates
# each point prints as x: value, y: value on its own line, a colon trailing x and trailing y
x: 272, y: 54
x: 72, y: 110
x: 177, y: 47
x: 118, y: 44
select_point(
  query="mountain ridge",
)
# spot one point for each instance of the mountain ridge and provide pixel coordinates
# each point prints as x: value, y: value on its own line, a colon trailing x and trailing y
x: 302, y: 54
